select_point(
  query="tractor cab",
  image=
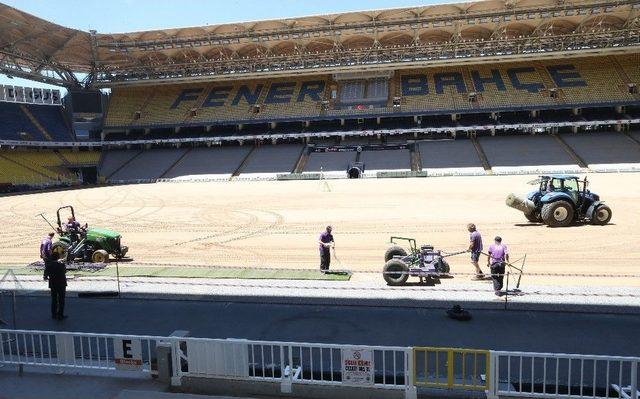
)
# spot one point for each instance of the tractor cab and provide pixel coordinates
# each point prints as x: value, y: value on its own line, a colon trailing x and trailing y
x: 552, y: 186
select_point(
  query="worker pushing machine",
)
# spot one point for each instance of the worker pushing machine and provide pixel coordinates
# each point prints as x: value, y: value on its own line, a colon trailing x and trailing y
x: 497, y: 261
x: 326, y: 243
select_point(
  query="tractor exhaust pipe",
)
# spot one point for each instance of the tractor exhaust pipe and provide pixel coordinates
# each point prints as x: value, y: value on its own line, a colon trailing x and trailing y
x: 523, y: 205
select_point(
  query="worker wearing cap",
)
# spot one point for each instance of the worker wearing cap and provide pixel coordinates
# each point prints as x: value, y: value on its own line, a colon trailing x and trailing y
x: 498, y: 258
x: 325, y: 242
x: 46, y: 246
x: 475, y: 247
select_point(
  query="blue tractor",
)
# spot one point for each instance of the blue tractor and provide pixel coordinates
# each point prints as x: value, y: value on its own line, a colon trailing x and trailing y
x: 560, y: 201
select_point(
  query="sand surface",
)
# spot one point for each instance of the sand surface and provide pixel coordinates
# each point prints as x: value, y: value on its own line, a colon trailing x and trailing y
x: 276, y: 224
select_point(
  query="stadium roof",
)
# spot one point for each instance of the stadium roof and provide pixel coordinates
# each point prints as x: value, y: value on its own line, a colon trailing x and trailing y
x: 37, y: 49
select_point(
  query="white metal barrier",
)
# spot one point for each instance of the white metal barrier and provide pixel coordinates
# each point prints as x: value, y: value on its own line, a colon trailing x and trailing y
x: 292, y: 363
x: 79, y: 350
x: 509, y: 374
x: 550, y: 375
x: 286, y: 363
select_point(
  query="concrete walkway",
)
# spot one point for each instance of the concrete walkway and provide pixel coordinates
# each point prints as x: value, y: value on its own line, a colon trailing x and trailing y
x: 476, y: 295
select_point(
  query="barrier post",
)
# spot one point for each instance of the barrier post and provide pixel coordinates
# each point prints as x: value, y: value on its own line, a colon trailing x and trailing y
x: 411, y: 391
x: 286, y: 380
x: 634, y: 380
x: 492, y: 377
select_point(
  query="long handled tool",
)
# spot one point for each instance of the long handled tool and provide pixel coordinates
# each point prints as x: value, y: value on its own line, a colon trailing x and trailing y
x: 341, y: 270
x: 513, y: 266
x: 46, y: 220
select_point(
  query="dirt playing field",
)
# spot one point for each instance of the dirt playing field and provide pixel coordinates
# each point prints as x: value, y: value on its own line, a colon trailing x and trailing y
x: 276, y: 224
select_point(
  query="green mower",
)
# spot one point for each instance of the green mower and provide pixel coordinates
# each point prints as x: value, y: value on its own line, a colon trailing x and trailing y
x: 87, y: 245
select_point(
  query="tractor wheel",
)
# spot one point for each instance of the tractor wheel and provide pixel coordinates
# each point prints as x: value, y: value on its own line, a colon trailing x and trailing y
x: 100, y: 256
x: 61, y: 248
x: 396, y: 272
x: 557, y: 214
x: 394, y: 251
x: 532, y: 217
x: 601, y: 215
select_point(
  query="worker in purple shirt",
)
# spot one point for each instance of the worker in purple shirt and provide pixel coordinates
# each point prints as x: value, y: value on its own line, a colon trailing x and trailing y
x: 46, y: 245
x: 498, y: 258
x: 475, y: 247
x: 74, y: 229
x: 325, y: 242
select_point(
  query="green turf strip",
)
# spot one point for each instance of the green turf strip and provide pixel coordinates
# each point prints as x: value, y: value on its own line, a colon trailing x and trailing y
x: 200, y: 272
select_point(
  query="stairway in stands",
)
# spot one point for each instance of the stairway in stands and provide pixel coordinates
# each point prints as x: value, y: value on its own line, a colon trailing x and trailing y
x: 37, y: 124
x: 481, y: 155
x: 25, y: 166
x: 416, y: 160
x: 302, y: 160
x: 176, y: 163
x: 244, y: 163
x: 567, y: 148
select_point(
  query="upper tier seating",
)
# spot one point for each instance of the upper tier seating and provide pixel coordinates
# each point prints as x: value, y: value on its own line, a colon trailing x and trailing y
x: 512, y: 86
x: 33, y: 122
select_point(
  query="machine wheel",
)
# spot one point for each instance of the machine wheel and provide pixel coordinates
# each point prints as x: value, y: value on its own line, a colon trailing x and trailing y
x: 532, y: 217
x: 557, y: 214
x: 396, y: 272
x: 61, y: 248
x: 601, y: 215
x: 100, y: 256
x: 443, y: 267
x: 394, y: 251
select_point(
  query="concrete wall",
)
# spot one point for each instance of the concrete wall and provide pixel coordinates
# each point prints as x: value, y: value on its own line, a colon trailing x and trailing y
x: 213, y: 386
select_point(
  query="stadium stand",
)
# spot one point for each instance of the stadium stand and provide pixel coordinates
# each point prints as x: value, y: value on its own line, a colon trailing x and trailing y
x: 214, y: 162
x: 113, y: 160
x: 280, y: 158
x: 329, y: 161
x: 45, y: 163
x: 502, y: 87
x: 524, y: 150
x: 386, y: 160
x: 214, y: 103
x: 148, y: 165
x: 51, y: 118
x: 33, y: 123
x: 604, y: 147
x: 80, y: 157
x: 445, y: 154
x: 45, y: 166
x: 364, y: 88
x: 16, y: 124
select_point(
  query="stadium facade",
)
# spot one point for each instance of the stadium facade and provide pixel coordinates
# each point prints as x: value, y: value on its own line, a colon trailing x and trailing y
x: 332, y: 91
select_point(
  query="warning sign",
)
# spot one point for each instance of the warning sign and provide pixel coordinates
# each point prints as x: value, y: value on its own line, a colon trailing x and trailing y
x: 127, y: 354
x: 357, y: 367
